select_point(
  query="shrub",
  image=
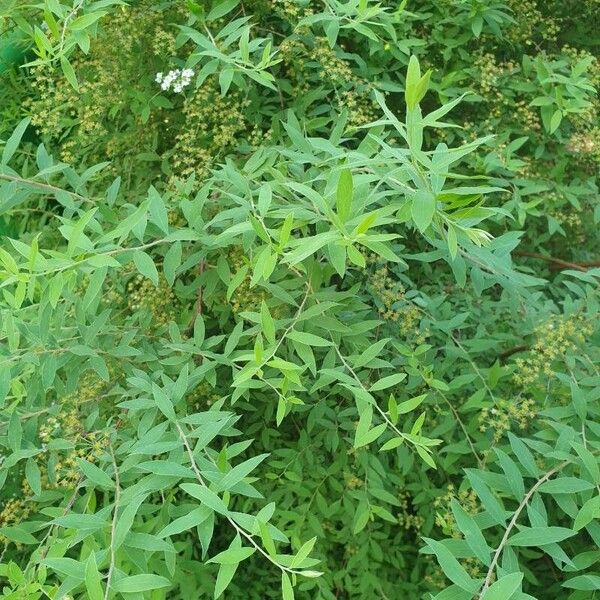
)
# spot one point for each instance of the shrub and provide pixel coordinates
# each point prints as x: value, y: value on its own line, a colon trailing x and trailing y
x: 300, y: 299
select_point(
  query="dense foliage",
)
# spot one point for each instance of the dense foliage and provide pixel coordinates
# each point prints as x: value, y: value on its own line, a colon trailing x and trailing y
x: 299, y: 299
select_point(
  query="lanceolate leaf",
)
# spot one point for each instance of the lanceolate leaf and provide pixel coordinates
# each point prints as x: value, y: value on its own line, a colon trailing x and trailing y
x: 344, y: 195
x: 540, y: 536
x: 505, y: 588
x: 452, y: 569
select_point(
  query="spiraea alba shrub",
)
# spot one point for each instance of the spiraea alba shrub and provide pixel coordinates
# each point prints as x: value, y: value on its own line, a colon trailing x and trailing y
x: 299, y: 299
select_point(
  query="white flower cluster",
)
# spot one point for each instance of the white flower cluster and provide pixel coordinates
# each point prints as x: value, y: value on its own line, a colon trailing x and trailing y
x: 176, y: 79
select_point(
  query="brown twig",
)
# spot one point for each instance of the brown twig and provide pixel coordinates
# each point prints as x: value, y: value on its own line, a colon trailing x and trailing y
x: 507, y: 353
x: 557, y: 263
x: 588, y: 265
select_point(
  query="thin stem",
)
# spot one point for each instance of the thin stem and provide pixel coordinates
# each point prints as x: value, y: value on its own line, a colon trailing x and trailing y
x: 480, y: 461
x: 356, y: 378
x: 76, y: 264
x: 65, y: 511
x: 114, y: 523
x: 513, y: 521
x: 237, y: 528
x: 43, y: 186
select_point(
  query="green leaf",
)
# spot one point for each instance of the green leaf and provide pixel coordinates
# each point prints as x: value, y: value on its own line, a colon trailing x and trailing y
x: 343, y: 202
x: 281, y: 410
x: 565, y: 485
x: 590, y: 462
x: 583, y: 582
x: 221, y: 8
x: 540, y: 536
x: 364, y: 424
x: 393, y: 409
x: 492, y: 506
x: 145, y: 265
x: 163, y: 402
x: 287, y: 591
x: 413, y: 76
x: 80, y: 521
x: 14, y: 140
x: 391, y: 444
x: 286, y: 230
x: 410, y: 405
x: 303, y: 553
x: 224, y: 577
x: 361, y: 517
x: 504, y: 588
x: 267, y: 323
x: 240, y: 471
x: 140, y: 583
x: 233, y: 556
x: 267, y: 540
x: 15, y: 432
x: 587, y: 513
x: 422, y: 86
x: 513, y: 475
x: 192, y: 519
x: 473, y: 536
x: 85, y: 21
x: 69, y: 73
x: 8, y: 262
x: 225, y: 79
x: 308, y: 338
x: 93, y: 582
x: 307, y: 246
x: 126, y: 518
x: 95, y: 474
x: 166, y: 467
x: 33, y: 475
x: 453, y: 593
x: 423, y: 209
x: 66, y: 566
x: 452, y: 242
x: 370, y: 353
x: 158, y: 210
x: 524, y: 455
x: 206, y: 496
x: 260, y: 229
x: 387, y: 382
x: 19, y: 535
x: 452, y: 569
x: 555, y: 120
x: 171, y: 262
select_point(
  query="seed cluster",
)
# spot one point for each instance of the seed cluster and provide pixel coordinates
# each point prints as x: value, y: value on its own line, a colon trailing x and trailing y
x: 213, y: 126
x: 444, y: 517
x: 160, y: 301
x: 202, y: 397
x: 530, y: 25
x: 407, y: 518
x: 554, y: 339
x: 500, y: 417
x: 393, y: 304
x: 245, y: 297
x: 303, y: 62
x: 59, y: 469
x: 103, y: 120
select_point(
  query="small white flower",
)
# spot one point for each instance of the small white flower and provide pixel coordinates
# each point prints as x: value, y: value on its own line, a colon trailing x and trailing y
x: 175, y: 79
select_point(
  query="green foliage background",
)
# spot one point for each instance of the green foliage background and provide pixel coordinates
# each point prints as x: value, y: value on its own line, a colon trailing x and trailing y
x: 322, y: 322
